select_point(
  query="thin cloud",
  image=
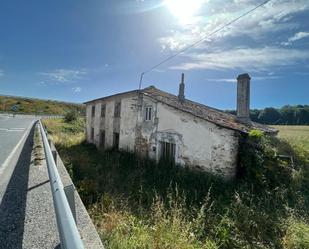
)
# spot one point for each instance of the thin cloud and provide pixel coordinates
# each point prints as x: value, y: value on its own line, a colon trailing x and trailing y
x: 253, y: 59
x: 1, y: 73
x: 254, y: 78
x: 296, y: 37
x: 64, y: 75
x: 77, y: 89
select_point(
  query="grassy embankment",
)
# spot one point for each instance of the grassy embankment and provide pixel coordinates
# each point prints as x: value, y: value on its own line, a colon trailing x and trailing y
x: 38, y: 106
x: 138, y: 204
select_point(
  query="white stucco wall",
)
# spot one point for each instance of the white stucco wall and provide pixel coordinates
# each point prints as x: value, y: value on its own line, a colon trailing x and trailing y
x: 199, y: 143
x: 128, y: 123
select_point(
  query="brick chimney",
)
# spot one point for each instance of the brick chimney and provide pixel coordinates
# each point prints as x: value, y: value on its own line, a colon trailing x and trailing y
x: 243, y: 97
x: 181, y: 94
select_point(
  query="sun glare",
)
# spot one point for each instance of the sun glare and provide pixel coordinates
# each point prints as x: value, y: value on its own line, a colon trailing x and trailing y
x: 183, y: 9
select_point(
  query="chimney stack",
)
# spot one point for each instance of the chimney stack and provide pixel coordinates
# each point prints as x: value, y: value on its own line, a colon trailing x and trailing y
x: 243, y: 97
x: 181, y: 94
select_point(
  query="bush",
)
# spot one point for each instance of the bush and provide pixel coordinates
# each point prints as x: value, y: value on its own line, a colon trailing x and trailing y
x: 70, y: 116
x: 297, y: 235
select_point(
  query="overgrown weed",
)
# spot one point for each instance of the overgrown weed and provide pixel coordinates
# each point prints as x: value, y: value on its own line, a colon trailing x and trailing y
x: 167, y: 206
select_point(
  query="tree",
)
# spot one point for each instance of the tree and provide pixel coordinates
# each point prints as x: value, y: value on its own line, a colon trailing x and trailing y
x: 269, y: 115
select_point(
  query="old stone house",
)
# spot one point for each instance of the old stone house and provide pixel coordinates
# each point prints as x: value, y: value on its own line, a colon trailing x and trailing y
x: 158, y: 124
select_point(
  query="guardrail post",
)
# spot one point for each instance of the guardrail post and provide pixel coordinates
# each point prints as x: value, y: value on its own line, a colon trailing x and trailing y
x: 69, y: 192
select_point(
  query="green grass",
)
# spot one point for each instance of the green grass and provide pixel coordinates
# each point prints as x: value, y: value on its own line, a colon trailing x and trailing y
x: 37, y: 106
x: 295, y: 134
x: 137, y: 203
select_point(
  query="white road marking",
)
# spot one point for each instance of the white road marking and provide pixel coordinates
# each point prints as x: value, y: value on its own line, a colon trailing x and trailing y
x: 9, y: 158
x: 12, y: 129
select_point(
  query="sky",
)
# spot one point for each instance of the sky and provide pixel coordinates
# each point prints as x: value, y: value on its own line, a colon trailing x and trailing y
x: 76, y: 50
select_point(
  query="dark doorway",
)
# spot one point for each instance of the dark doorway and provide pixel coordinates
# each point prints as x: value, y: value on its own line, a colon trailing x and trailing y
x: 168, y: 151
x: 116, y: 140
x: 102, y: 139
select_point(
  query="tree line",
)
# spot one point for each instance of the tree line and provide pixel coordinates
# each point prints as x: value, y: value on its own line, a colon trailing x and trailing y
x: 286, y: 115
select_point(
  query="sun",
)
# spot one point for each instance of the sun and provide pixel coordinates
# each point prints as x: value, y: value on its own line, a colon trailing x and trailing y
x: 183, y: 9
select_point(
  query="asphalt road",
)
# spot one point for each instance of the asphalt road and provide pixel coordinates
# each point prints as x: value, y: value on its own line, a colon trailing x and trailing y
x: 11, y: 132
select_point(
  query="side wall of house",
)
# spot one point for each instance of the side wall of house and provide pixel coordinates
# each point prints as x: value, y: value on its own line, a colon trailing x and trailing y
x: 124, y: 125
x: 199, y: 143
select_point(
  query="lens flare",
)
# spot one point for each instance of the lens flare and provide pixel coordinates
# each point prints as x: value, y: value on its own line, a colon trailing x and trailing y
x: 184, y: 9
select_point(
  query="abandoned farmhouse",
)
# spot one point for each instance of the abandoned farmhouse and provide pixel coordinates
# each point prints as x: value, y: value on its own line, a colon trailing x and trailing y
x: 159, y: 125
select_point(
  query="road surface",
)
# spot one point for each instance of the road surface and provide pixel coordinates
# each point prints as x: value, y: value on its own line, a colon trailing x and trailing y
x: 12, y: 131
x: 16, y: 139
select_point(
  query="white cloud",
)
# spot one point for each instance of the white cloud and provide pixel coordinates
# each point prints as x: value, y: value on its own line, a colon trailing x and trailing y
x: 273, y: 17
x: 229, y: 80
x: 254, y: 78
x: 64, y: 75
x: 297, y: 36
x: 77, y: 89
x: 253, y: 59
x: 41, y: 83
x: 1, y: 73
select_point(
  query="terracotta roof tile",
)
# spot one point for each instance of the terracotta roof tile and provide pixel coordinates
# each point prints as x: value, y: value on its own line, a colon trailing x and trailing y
x: 210, y: 114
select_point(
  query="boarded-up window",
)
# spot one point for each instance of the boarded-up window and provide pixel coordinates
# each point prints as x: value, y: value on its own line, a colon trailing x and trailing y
x: 103, y: 110
x: 168, y: 151
x: 102, y: 139
x: 117, y: 109
x: 92, y: 134
x: 116, y: 140
x: 93, y: 111
x: 148, y: 113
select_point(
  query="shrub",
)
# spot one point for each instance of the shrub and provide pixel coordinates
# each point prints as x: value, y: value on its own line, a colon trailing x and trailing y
x: 297, y: 235
x: 71, y: 116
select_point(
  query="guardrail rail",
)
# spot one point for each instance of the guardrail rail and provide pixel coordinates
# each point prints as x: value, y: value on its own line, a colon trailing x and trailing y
x: 67, y: 229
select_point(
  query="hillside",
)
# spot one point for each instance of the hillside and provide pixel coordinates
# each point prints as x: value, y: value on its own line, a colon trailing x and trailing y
x: 38, y: 106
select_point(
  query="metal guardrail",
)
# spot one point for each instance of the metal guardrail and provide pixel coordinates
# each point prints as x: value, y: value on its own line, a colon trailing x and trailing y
x: 67, y: 229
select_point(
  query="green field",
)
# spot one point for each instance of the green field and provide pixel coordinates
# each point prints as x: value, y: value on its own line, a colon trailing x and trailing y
x: 296, y: 134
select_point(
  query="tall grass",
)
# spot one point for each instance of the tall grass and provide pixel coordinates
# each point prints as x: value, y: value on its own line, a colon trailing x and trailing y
x: 140, y: 204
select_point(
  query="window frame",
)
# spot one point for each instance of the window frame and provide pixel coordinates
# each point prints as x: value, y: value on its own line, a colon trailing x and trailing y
x: 148, y: 113
x: 93, y: 111
x: 103, y: 110
x: 117, y: 109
